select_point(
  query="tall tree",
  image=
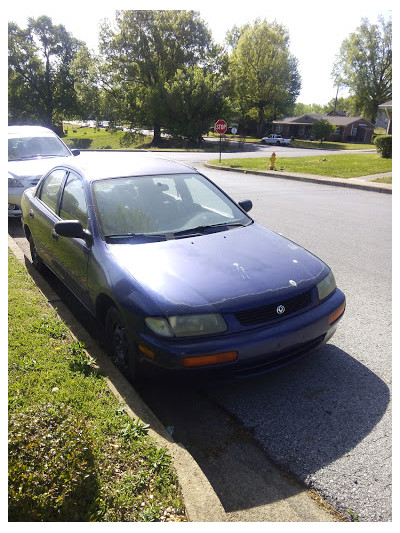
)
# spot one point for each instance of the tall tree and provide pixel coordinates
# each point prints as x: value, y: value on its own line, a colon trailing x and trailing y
x: 195, y: 99
x: 263, y: 71
x: 364, y: 64
x: 142, y: 52
x: 41, y: 87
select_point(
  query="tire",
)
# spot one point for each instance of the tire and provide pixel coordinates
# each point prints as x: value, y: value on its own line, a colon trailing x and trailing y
x: 36, y: 260
x: 118, y: 345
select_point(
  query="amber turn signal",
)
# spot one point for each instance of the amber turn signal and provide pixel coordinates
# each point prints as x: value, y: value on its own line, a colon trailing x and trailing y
x: 334, y: 316
x: 213, y: 359
x: 146, y: 351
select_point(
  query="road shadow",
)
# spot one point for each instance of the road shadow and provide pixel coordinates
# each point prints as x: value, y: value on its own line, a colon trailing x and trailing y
x: 298, y: 419
x: 310, y: 414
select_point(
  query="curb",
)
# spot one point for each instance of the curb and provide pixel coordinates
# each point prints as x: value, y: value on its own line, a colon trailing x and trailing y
x: 200, y: 500
x: 355, y: 183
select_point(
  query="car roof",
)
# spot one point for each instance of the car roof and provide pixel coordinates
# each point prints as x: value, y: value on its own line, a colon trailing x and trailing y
x: 139, y: 164
x: 30, y: 131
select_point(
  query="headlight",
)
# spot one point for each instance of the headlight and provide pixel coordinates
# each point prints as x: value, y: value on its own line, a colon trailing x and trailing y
x: 12, y: 182
x: 326, y: 286
x: 187, y: 325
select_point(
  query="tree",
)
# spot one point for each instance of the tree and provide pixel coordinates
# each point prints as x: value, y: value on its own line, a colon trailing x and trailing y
x: 143, y: 53
x: 41, y: 87
x: 263, y: 72
x: 85, y: 71
x: 194, y: 100
x: 323, y: 129
x: 364, y: 64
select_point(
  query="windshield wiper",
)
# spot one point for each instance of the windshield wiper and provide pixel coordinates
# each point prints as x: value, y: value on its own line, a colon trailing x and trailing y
x: 140, y: 235
x: 199, y: 230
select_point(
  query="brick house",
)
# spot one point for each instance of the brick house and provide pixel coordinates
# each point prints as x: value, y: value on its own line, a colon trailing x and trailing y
x: 349, y: 129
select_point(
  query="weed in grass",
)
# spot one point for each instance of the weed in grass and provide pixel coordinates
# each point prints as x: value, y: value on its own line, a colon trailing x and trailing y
x: 134, y: 430
x: 52, y: 473
x: 80, y: 360
x: 50, y: 325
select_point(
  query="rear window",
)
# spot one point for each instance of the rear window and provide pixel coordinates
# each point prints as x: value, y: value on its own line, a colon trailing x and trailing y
x: 21, y: 148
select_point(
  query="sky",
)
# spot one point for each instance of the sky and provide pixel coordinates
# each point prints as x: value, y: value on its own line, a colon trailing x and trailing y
x: 316, y: 28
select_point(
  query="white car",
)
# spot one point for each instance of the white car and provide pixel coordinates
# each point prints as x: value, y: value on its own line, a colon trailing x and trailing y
x: 31, y: 149
x: 274, y: 138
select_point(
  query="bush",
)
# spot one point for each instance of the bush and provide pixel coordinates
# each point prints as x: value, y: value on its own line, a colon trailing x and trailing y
x: 51, y: 467
x: 80, y: 144
x: 383, y: 145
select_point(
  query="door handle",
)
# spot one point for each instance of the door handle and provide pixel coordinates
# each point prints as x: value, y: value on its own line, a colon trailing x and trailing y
x: 54, y: 234
x: 31, y: 213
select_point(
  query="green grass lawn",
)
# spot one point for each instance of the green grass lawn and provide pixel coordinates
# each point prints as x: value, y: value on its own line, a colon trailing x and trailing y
x: 337, y: 166
x: 102, y: 139
x: 74, y: 454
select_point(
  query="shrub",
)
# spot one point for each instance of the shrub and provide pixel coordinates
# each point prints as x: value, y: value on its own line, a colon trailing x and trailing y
x: 323, y: 129
x: 80, y: 144
x: 383, y: 145
x: 51, y: 467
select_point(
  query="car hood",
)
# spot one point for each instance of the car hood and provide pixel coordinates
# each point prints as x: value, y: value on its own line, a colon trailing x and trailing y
x: 224, y: 272
x: 29, y: 168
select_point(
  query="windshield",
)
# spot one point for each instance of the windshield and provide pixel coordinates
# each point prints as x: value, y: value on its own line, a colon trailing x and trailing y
x: 20, y: 148
x: 168, y: 206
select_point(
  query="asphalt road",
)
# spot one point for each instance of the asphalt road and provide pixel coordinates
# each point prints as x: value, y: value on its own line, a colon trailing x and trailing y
x: 327, y: 419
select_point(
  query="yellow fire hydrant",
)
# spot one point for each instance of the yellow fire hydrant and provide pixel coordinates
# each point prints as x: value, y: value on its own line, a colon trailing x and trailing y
x: 272, y: 161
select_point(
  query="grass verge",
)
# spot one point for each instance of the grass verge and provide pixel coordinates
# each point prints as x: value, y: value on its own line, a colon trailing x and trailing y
x: 74, y: 453
x: 85, y: 138
x: 336, y: 166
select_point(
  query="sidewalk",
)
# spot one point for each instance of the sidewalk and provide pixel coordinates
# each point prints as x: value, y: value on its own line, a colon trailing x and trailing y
x: 361, y: 182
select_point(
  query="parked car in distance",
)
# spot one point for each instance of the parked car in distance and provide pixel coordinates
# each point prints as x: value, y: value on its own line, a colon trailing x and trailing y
x: 180, y: 277
x: 274, y: 138
x: 30, y: 150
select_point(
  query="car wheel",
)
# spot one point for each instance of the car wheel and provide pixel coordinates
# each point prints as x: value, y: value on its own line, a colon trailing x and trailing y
x: 118, y: 345
x: 36, y: 260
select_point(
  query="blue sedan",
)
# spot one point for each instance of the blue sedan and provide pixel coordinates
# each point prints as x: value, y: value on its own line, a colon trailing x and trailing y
x: 179, y: 276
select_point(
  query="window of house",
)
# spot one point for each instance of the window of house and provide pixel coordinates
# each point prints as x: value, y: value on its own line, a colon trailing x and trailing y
x: 278, y: 128
x: 354, y: 131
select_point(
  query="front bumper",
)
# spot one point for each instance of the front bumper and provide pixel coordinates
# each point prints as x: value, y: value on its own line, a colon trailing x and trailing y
x: 259, y: 350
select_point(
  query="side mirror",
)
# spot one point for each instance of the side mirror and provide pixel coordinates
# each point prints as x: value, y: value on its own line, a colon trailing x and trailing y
x: 75, y: 151
x: 73, y: 228
x: 246, y: 205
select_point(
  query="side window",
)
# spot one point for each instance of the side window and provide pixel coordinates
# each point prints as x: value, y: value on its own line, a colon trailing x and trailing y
x: 51, y: 188
x: 73, y: 202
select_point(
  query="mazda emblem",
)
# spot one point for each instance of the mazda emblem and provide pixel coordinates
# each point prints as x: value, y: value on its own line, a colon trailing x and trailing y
x: 280, y: 309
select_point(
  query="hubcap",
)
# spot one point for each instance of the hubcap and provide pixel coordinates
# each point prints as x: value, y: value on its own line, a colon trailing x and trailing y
x: 120, y: 343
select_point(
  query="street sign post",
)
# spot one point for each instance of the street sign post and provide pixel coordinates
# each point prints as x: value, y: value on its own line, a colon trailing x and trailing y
x: 220, y: 127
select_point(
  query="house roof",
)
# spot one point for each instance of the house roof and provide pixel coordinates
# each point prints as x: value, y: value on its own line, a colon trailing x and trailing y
x: 386, y: 104
x: 310, y: 118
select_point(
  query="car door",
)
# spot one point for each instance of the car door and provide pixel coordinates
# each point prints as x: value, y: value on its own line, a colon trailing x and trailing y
x: 43, y: 214
x: 72, y: 254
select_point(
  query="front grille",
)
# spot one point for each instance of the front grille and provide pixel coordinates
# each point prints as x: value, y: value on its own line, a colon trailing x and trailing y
x: 268, y: 313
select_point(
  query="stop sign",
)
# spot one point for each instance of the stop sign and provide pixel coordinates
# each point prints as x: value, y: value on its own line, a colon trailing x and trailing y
x: 221, y: 126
